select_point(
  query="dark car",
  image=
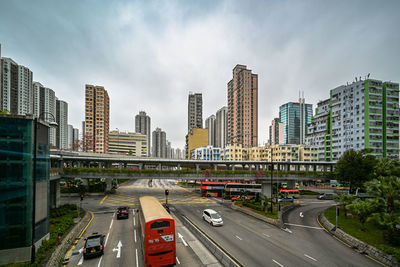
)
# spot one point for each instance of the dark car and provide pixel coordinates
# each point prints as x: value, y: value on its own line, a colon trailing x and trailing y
x: 166, y: 207
x: 286, y: 199
x: 94, y: 246
x: 326, y: 196
x: 122, y: 212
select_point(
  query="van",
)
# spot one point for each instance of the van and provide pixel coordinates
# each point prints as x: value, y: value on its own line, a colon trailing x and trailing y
x: 212, y: 217
x: 326, y: 196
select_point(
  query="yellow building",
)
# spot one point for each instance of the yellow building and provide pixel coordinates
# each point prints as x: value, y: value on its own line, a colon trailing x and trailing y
x: 197, y: 137
x: 290, y: 152
x: 258, y: 153
x: 134, y: 144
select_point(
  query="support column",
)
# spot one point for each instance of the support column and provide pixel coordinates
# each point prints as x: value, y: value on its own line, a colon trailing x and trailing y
x: 215, y: 167
x: 159, y: 167
x: 108, y: 184
x: 250, y: 167
x: 233, y: 167
x: 140, y: 166
x: 266, y: 189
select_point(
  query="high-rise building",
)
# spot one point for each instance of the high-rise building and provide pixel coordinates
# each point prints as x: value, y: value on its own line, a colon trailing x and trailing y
x: 44, y: 105
x: 62, y: 121
x: 210, y: 125
x: 221, y: 128
x: 16, y: 94
x: 195, y: 111
x: 276, y: 132
x: 134, y: 144
x: 196, y: 138
x: 75, y: 139
x: 159, y: 145
x: 360, y: 115
x: 97, y: 119
x: 295, y: 118
x: 243, y: 107
x: 143, y: 126
x: 70, y: 137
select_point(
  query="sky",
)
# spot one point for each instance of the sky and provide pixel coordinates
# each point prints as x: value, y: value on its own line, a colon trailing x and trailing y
x: 150, y: 54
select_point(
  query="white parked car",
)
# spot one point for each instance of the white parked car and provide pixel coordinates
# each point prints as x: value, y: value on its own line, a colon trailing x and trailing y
x: 212, y: 217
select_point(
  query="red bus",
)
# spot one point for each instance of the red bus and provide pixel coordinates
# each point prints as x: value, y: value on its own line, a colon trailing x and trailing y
x: 158, y: 233
x: 212, y: 189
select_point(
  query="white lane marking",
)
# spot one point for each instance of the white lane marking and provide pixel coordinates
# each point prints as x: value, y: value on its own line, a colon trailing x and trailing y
x: 287, y: 230
x: 111, y: 223
x: 133, y: 212
x: 178, y: 260
x: 305, y: 226
x: 137, y: 260
x: 80, y: 261
x: 238, y: 237
x: 135, y: 235
x: 118, y: 249
x: 310, y: 257
x: 98, y: 265
x: 134, y: 221
x: 183, y: 240
x: 267, y: 235
x: 277, y: 263
x: 105, y: 244
x: 301, y: 214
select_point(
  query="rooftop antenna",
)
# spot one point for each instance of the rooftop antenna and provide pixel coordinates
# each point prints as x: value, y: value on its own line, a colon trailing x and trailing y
x: 368, y: 75
x: 356, y: 78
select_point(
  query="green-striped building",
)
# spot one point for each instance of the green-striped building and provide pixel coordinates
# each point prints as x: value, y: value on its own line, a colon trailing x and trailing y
x: 363, y: 114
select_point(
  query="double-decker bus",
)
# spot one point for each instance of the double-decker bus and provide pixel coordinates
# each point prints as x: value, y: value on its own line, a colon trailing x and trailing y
x: 234, y: 190
x: 295, y: 193
x: 158, y: 233
x: 212, y: 189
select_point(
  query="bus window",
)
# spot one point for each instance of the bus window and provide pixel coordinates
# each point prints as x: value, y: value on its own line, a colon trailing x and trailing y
x: 159, y: 224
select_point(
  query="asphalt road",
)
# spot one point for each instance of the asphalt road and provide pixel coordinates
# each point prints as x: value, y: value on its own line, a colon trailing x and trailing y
x: 251, y: 241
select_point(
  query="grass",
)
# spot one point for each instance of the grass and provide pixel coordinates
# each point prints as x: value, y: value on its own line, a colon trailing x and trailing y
x: 61, y: 221
x: 373, y: 235
x: 256, y: 209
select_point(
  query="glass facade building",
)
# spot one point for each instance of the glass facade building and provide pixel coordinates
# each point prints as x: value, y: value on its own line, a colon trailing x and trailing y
x: 17, y: 175
x: 295, y: 118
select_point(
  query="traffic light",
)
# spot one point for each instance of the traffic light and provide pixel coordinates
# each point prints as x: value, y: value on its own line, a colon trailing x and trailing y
x: 81, y: 197
x: 166, y: 192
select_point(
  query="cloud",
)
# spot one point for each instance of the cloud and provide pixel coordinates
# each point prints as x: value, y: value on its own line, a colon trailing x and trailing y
x: 149, y: 55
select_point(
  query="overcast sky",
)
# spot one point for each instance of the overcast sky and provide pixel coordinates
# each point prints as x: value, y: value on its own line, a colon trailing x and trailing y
x: 150, y: 54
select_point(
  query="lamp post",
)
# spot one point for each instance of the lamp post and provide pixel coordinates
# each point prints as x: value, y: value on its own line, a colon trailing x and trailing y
x: 272, y: 169
x: 35, y: 144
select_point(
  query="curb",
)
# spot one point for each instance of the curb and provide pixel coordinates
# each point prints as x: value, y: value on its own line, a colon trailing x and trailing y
x: 368, y: 250
x: 60, y: 251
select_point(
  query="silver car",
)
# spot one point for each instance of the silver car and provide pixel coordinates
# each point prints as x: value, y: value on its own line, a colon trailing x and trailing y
x: 212, y: 217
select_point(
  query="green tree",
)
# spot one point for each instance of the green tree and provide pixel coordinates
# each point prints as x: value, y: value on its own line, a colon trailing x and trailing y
x: 264, y: 201
x: 355, y: 168
x: 389, y: 222
x: 344, y: 200
x: 387, y: 167
x: 387, y: 189
x: 362, y: 209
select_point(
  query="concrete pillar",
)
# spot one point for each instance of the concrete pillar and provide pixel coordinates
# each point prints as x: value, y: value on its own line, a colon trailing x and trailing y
x: 325, y: 168
x: 159, y: 167
x: 108, y: 184
x: 266, y: 189
x: 120, y: 165
x: 233, y: 167
x: 85, y: 182
x: 215, y: 167
x: 197, y: 167
x: 140, y: 166
x: 179, y: 166
x: 297, y: 167
x: 250, y: 167
x: 54, y: 194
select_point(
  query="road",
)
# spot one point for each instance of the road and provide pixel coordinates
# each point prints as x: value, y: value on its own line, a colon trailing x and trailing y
x: 251, y: 241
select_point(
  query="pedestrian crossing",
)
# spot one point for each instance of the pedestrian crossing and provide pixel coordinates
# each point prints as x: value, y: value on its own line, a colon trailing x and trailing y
x: 132, y: 201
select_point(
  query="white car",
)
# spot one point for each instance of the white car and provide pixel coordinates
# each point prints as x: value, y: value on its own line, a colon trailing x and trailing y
x: 212, y: 217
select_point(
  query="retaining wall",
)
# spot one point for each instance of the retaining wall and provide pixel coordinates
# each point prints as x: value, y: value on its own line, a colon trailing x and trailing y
x: 358, y: 244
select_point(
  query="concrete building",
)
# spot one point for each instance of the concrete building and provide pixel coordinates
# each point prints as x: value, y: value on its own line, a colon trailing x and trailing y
x: 75, y: 139
x: 134, y: 144
x: 291, y: 152
x: 70, y: 137
x: 195, y: 111
x: 210, y: 125
x: 221, y: 128
x: 159, y: 145
x: 44, y: 105
x: 232, y: 152
x: 295, y: 118
x: 62, y: 121
x: 16, y: 94
x: 143, y: 126
x: 194, y: 139
x: 363, y: 114
x: 206, y: 153
x: 276, y: 130
x: 179, y: 154
x: 243, y: 107
x: 97, y: 119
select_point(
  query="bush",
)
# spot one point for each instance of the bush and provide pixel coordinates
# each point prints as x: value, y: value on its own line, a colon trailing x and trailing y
x: 395, y: 252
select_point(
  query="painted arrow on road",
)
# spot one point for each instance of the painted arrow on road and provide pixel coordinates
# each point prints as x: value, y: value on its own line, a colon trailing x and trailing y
x: 301, y: 214
x: 183, y: 240
x: 118, y: 249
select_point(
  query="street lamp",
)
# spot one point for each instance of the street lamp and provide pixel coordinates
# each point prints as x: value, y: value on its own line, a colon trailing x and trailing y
x: 52, y: 123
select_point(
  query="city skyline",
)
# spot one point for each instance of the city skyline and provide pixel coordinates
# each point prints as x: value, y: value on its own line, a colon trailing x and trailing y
x: 318, y: 56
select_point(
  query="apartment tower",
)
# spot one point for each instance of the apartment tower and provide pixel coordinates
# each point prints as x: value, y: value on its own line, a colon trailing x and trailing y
x: 243, y: 107
x: 210, y: 125
x: 221, y: 128
x: 360, y: 115
x: 159, y: 144
x: 62, y: 121
x: 195, y: 111
x: 276, y: 132
x: 97, y: 119
x: 143, y: 126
